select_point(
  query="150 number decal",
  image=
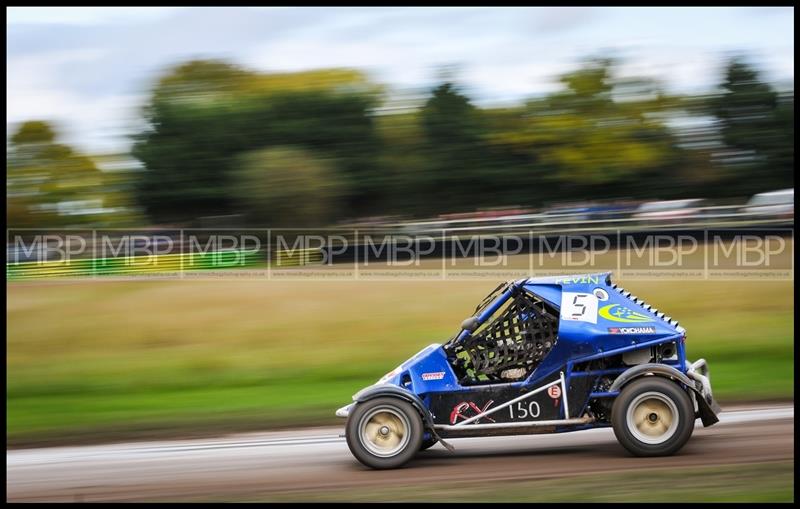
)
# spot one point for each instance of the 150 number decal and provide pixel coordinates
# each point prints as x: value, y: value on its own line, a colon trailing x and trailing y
x: 522, y: 411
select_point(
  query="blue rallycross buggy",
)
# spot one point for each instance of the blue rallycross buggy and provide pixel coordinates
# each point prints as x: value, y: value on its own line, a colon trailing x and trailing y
x: 540, y: 355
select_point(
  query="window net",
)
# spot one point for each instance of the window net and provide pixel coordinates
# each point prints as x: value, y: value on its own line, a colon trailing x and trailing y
x: 509, y: 345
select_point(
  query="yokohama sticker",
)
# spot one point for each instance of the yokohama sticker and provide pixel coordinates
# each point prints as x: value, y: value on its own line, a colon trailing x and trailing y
x: 433, y: 376
x: 631, y: 330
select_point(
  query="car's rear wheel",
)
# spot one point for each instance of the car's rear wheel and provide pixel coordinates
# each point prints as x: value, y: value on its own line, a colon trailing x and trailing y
x: 653, y: 417
x: 384, y: 432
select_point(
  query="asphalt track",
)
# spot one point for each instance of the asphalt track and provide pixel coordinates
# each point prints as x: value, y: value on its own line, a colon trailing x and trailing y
x: 257, y: 464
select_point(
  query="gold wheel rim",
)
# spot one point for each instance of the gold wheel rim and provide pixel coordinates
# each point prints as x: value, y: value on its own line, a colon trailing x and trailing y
x: 384, y: 432
x: 652, y: 418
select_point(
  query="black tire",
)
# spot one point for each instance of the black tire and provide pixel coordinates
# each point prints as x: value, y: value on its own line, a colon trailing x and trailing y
x: 643, y: 414
x: 388, y: 412
x: 427, y: 443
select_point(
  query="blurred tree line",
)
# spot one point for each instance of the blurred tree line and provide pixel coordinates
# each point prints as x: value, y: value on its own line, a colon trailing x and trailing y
x: 50, y: 184
x: 313, y: 148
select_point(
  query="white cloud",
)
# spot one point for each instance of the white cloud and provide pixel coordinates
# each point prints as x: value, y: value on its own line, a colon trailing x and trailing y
x: 88, y: 68
x: 88, y: 122
x: 84, y: 15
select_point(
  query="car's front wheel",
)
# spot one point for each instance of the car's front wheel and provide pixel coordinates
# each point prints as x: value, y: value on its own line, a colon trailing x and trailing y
x: 384, y: 432
x: 653, y: 416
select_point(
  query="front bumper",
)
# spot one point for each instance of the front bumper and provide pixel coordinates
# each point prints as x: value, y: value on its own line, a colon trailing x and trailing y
x: 707, y: 408
x: 344, y: 411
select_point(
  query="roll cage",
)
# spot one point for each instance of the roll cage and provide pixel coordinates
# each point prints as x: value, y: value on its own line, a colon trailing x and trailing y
x: 514, y: 330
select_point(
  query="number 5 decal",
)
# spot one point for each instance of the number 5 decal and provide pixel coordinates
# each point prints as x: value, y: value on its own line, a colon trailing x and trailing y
x: 579, y: 307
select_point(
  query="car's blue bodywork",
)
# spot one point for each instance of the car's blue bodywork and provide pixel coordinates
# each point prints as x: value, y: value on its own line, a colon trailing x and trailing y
x: 598, y: 326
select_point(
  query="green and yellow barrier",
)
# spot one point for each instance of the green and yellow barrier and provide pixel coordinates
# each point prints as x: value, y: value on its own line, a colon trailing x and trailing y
x: 131, y: 265
x: 296, y: 257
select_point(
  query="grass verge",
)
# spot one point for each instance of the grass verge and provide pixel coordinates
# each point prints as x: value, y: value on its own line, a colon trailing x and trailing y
x: 106, y: 360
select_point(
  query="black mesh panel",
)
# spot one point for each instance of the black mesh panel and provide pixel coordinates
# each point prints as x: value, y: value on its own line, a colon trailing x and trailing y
x: 518, y: 336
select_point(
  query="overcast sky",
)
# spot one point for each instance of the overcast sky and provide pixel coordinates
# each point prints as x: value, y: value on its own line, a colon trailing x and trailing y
x: 89, y: 68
